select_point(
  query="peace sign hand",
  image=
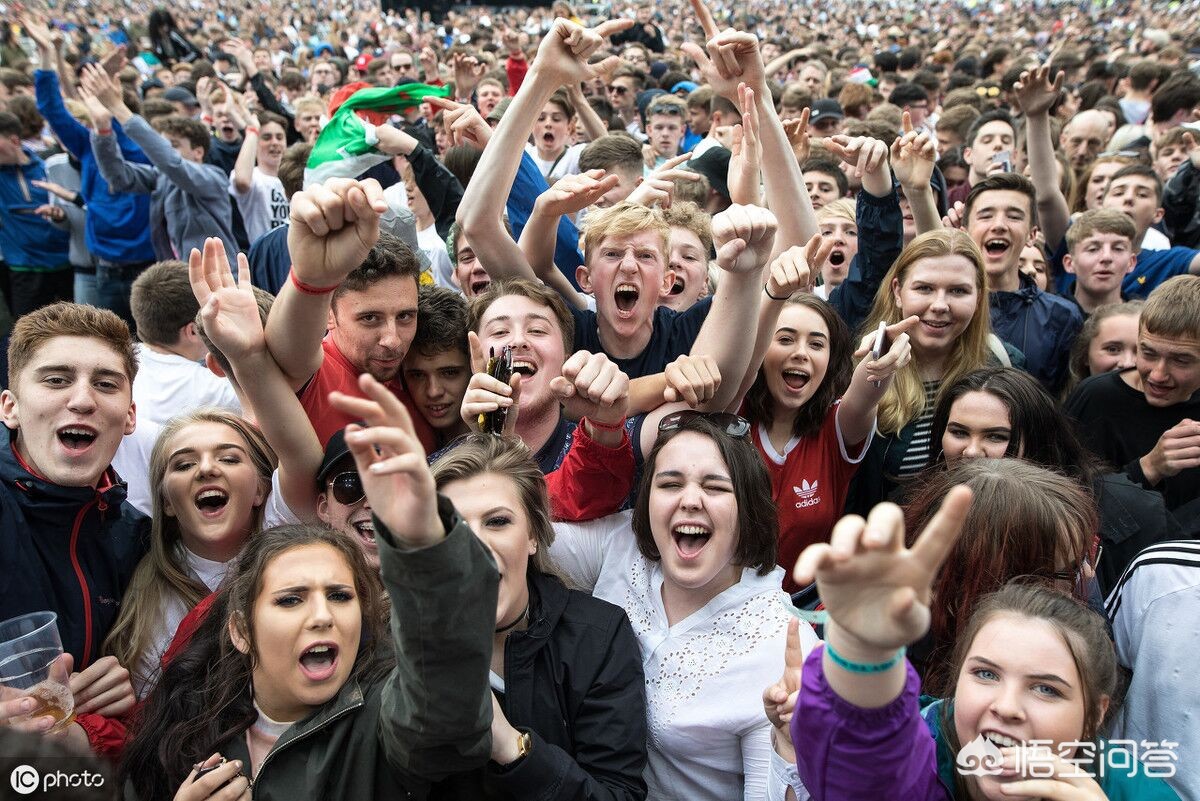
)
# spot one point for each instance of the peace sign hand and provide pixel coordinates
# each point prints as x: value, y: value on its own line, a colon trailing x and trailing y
x: 391, y: 464
x: 874, y: 588
x: 731, y: 57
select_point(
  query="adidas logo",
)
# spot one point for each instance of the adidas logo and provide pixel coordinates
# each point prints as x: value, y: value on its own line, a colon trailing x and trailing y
x: 806, y: 490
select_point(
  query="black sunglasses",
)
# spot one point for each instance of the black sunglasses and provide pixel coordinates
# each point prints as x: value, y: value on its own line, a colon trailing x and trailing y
x: 732, y: 424
x: 347, y: 488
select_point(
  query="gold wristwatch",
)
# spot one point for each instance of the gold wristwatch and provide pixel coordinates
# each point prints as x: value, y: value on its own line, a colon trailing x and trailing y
x: 524, y: 746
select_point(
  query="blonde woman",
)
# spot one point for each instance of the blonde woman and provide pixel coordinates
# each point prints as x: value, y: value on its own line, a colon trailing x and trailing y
x: 940, y: 279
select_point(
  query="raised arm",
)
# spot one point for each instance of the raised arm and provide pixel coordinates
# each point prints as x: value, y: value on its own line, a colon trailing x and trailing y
x: 871, y: 379
x: 744, y: 237
x: 232, y: 322
x: 913, y: 157
x: 593, y: 126
x: 120, y: 174
x: 243, y: 168
x: 332, y: 228
x: 569, y: 195
x: 436, y: 712
x: 1036, y: 93
x: 733, y: 57
x: 561, y: 59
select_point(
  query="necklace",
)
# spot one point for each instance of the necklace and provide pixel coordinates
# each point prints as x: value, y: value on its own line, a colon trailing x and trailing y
x: 523, y: 616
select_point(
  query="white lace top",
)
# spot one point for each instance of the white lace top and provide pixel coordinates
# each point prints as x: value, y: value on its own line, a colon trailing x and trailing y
x: 709, y: 737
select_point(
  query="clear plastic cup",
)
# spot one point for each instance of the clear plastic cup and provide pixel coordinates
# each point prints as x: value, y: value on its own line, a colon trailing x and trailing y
x: 31, y: 664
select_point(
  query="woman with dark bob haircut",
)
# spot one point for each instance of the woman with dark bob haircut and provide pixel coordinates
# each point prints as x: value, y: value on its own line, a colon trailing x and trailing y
x: 1001, y: 412
x: 693, y: 565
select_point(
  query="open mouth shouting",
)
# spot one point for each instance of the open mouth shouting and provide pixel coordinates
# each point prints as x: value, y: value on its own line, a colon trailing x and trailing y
x: 679, y: 286
x: 478, y: 281
x: 837, y: 258
x: 626, y: 297
x: 319, y: 661
x: 526, y: 368
x: 996, y: 248
x: 796, y: 380
x: 690, y: 539
x: 77, y: 439
x: 211, y: 501
x: 364, y: 529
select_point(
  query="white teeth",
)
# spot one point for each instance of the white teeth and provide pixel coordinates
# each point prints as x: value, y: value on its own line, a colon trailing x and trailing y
x: 695, y: 531
x: 212, y: 493
x: 79, y: 432
x: 626, y: 288
x: 1002, y: 740
x: 318, y: 649
x: 520, y: 364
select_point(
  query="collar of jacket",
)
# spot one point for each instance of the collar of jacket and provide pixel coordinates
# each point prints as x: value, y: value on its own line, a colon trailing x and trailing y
x: 547, y: 600
x: 1026, y: 293
x: 33, y: 490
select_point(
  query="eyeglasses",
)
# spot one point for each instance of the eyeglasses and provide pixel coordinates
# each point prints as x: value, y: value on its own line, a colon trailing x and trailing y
x: 732, y: 424
x: 347, y: 488
x: 987, y: 91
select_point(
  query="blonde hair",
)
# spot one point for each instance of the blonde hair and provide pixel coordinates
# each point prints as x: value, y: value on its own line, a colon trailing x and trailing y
x: 309, y: 103
x: 904, y: 400
x: 840, y: 209
x: 1173, y: 309
x: 688, y: 215
x: 163, y: 571
x: 621, y: 220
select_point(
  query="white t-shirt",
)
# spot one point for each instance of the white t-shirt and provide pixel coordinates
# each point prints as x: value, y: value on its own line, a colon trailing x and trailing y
x: 264, y: 206
x: 1155, y: 240
x: 439, y: 258
x: 708, y: 735
x: 132, y: 463
x: 168, y: 385
x: 1153, y: 611
x: 554, y: 169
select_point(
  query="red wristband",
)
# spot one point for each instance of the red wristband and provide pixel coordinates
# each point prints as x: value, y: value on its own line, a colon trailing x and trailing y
x: 606, y: 426
x: 250, y: 129
x: 309, y: 289
x: 103, y: 131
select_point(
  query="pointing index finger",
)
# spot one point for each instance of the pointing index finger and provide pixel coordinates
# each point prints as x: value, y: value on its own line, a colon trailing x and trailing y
x: 939, y: 536
x: 705, y: 17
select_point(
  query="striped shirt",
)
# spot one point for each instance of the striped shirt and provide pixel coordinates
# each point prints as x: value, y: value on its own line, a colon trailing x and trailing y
x: 917, y: 457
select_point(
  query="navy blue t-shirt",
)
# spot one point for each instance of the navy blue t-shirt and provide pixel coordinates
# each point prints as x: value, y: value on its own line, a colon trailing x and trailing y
x: 674, y: 333
x: 269, y: 260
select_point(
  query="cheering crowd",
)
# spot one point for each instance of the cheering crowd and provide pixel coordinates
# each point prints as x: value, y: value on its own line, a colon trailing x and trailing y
x: 669, y: 401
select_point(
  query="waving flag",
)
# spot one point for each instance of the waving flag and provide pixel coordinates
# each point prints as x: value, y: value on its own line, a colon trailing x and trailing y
x: 346, y: 146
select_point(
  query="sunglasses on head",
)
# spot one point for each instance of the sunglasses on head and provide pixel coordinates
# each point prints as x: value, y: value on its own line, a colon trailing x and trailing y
x: 347, y: 488
x: 732, y: 424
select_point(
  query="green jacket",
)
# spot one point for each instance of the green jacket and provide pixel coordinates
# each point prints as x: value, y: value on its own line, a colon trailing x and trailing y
x: 431, y: 716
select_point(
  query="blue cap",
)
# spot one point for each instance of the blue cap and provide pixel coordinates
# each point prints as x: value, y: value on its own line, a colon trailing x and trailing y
x: 686, y: 86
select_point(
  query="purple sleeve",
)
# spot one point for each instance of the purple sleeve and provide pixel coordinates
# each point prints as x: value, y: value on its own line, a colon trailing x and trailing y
x: 848, y: 753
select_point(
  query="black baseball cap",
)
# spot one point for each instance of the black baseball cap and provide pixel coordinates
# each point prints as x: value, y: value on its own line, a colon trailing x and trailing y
x: 713, y: 164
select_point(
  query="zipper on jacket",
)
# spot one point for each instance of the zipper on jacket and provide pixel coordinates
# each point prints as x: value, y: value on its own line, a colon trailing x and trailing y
x: 297, y: 739
x: 83, y: 587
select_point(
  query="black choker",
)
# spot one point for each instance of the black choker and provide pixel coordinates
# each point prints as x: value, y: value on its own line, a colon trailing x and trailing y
x: 523, y: 616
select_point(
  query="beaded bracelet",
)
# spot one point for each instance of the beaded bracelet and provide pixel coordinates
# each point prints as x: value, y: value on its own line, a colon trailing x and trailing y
x: 860, y: 667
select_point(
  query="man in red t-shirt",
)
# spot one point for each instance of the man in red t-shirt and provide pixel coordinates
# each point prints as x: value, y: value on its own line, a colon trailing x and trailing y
x: 350, y: 304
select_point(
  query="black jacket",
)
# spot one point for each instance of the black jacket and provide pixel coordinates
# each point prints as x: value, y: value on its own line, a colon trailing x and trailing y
x: 574, y: 681
x: 69, y: 550
x: 1131, y: 519
x: 1181, y: 204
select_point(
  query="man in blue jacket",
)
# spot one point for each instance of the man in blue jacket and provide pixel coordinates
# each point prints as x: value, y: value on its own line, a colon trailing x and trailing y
x: 117, y: 227
x: 1000, y: 216
x: 36, y: 251
x: 68, y: 540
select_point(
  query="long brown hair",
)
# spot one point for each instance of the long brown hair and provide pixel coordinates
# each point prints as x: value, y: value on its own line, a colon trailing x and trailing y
x: 205, y: 696
x: 1022, y: 518
x: 163, y: 571
x: 760, y: 405
x: 1083, y: 632
x: 904, y: 400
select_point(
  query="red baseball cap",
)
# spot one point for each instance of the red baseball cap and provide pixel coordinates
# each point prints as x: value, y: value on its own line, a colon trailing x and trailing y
x: 362, y: 61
